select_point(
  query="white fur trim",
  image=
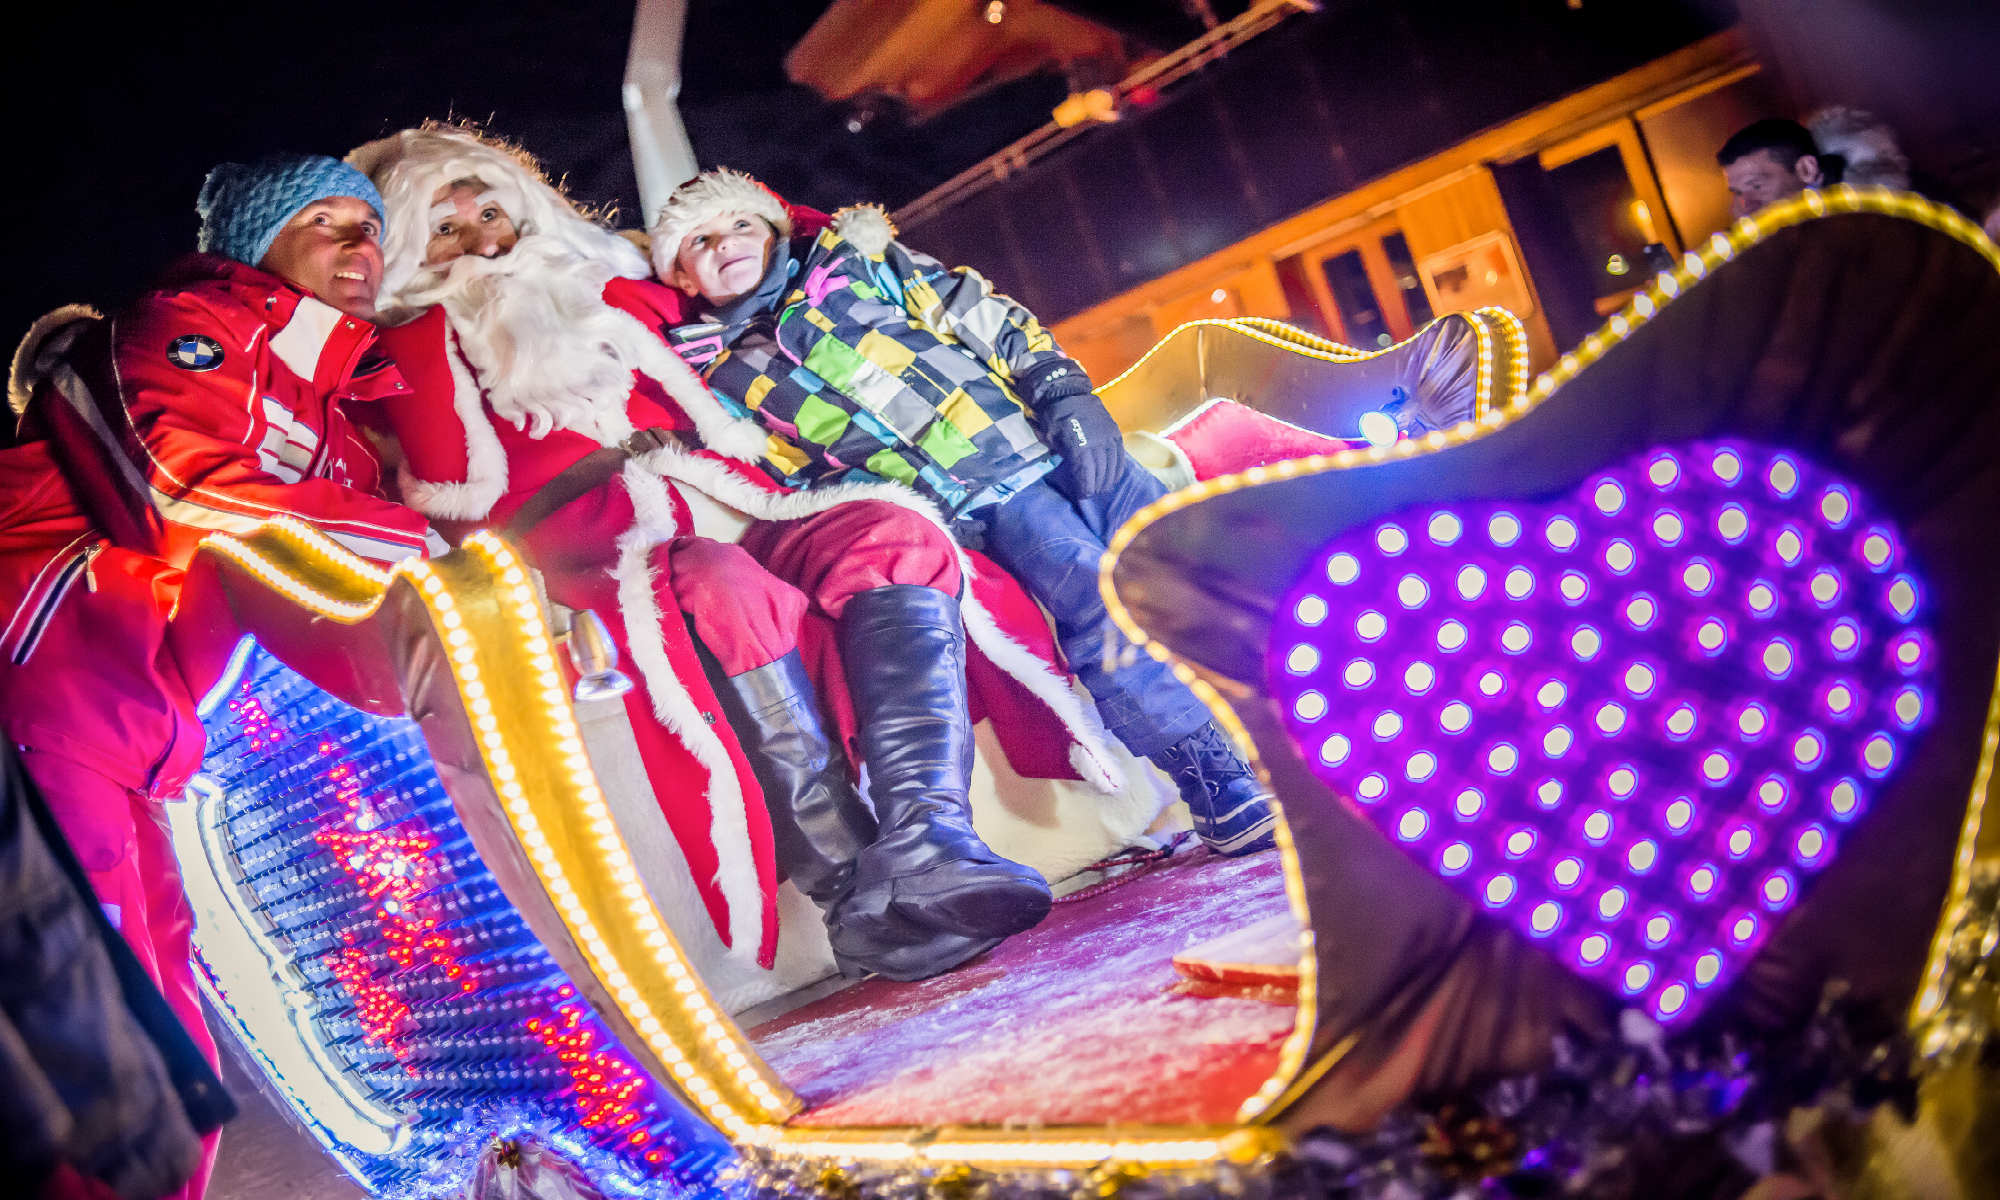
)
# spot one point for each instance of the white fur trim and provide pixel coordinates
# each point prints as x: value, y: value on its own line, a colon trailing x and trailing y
x: 485, y: 462
x: 1058, y: 826
x: 47, y: 340
x: 1089, y: 754
x: 1092, y: 769
x: 722, y: 431
x: 866, y: 227
x: 444, y: 501
x: 654, y: 519
x: 709, y: 195
x: 411, y: 165
x: 729, y: 827
x: 1163, y: 457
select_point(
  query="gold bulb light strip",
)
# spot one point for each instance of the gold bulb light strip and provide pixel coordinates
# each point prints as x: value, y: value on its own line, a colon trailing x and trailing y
x: 306, y: 567
x: 1488, y: 323
x: 1946, y: 1016
x: 1642, y: 308
x: 1808, y: 205
x: 1260, y: 329
x: 1933, y: 1002
x: 1500, y: 382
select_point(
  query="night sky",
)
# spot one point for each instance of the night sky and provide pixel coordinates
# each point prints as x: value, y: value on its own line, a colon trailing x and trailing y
x: 118, y: 117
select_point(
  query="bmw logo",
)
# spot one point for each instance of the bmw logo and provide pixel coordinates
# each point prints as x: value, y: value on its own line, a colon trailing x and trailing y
x: 195, y: 352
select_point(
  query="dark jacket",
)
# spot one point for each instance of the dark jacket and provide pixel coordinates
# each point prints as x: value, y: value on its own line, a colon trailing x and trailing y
x: 95, y: 1070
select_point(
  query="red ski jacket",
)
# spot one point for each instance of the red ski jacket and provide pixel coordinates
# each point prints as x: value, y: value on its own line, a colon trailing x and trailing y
x: 212, y: 405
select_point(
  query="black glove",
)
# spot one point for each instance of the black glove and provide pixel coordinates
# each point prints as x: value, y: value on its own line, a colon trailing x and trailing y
x: 1076, y: 426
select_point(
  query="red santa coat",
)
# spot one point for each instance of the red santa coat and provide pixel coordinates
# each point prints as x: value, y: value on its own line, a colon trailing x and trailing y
x: 468, y: 467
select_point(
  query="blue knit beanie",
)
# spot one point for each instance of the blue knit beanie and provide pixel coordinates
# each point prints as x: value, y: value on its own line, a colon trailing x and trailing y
x: 243, y: 207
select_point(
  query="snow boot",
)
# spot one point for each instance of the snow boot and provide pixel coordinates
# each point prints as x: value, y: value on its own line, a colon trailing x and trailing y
x: 1231, y: 808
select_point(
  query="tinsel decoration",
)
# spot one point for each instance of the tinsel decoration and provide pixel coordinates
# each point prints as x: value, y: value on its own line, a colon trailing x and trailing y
x: 1700, y: 1115
x: 513, y: 1152
x: 517, y: 1169
x: 1969, y: 992
x: 761, y: 1176
x: 1643, y: 1116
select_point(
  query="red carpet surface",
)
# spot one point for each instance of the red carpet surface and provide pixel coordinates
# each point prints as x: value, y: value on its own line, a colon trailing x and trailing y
x: 1078, y: 1021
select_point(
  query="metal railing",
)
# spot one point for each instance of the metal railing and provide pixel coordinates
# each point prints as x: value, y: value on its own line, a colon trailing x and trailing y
x: 1158, y: 74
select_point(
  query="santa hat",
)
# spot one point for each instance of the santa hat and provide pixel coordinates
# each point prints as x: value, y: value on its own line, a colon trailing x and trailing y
x: 709, y: 195
x: 411, y: 166
x: 243, y: 207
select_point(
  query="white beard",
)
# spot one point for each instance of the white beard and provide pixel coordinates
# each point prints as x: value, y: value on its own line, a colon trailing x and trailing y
x: 550, y: 353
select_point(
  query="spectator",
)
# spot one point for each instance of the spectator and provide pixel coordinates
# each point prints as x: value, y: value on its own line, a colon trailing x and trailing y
x: 98, y: 1080
x: 1766, y: 161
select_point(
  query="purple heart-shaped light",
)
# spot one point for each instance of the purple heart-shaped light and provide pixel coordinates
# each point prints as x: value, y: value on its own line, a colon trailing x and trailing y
x: 1631, y: 721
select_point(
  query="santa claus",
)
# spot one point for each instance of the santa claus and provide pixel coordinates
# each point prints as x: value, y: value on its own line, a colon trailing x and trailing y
x: 544, y: 404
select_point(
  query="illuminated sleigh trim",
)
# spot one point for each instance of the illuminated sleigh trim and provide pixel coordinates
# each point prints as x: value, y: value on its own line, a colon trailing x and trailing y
x: 1461, y: 364
x: 503, y: 624
x: 519, y: 777
x: 1148, y: 585
x: 1628, y: 607
x: 262, y: 994
x: 523, y: 788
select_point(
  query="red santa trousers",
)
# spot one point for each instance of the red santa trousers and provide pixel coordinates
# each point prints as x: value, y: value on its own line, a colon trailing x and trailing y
x: 747, y: 600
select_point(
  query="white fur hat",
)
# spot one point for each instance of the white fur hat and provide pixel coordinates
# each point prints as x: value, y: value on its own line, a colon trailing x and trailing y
x: 708, y: 195
x: 410, y: 166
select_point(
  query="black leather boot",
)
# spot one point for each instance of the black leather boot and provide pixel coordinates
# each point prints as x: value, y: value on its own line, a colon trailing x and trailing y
x: 819, y: 822
x: 904, y: 651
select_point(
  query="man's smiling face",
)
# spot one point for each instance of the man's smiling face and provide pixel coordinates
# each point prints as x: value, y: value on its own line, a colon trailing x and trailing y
x: 332, y: 248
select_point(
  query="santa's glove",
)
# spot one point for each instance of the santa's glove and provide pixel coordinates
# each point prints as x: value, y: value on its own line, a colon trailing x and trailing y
x: 1075, y: 425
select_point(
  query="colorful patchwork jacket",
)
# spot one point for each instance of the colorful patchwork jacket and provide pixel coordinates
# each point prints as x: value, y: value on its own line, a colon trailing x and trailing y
x: 892, y: 366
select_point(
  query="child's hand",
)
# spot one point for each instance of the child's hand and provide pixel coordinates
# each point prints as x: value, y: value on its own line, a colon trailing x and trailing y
x: 1090, y: 442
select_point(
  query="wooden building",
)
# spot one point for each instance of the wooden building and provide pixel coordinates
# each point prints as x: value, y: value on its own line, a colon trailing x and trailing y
x: 1362, y: 167
x: 1549, y: 215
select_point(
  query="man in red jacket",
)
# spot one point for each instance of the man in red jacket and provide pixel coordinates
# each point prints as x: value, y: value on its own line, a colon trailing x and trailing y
x: 213, y: 404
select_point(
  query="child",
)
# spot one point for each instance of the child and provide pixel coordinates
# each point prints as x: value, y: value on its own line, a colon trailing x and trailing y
x: 884, y: 364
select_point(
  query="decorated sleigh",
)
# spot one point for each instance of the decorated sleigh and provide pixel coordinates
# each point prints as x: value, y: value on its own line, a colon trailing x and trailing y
x: 1616, y: 720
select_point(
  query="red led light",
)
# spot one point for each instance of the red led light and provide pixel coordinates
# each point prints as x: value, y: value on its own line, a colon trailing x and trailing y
x: 382, y: 1013
x: 603, y: 1086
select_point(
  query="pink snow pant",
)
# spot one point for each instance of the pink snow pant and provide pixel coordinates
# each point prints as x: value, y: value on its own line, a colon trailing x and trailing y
x: 120, y: 838
x: 748, y: 599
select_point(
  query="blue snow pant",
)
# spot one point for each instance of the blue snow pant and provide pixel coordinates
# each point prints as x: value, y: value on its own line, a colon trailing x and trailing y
x: 1053, y: 545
